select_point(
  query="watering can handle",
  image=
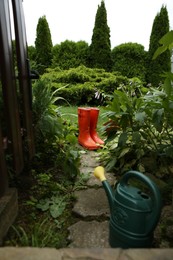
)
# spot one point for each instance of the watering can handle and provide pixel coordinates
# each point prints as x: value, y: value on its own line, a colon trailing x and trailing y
x: 155, y: 191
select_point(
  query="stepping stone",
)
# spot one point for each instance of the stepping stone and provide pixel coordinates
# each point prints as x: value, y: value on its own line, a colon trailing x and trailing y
x: 91, y: 234
x: 93, y: 181
x: 87, y: 169
x: 91, y: 203
x: 89, y: 160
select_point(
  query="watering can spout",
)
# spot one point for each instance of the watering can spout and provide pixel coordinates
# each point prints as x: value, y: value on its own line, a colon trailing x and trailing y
x: 99, y: 174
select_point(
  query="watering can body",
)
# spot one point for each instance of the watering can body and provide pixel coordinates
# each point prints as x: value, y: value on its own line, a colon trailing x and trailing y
x: 133, y: 214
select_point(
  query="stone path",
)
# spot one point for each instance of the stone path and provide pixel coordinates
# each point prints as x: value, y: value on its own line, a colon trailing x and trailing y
x: 89, y: 236
x: 91, y: 231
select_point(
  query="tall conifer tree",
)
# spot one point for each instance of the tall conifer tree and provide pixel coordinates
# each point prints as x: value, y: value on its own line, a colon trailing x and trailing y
x: 155, y: 68
x: 100, y: 48
x: 43, y: 44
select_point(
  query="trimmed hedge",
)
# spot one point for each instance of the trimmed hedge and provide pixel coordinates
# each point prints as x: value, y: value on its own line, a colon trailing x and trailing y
x: 79, y: 86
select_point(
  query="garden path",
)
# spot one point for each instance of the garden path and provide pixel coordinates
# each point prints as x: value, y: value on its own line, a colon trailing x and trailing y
x: 91, y: 207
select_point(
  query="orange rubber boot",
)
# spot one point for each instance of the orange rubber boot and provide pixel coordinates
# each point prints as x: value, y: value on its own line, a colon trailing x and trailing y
x: 94, y: 113
x: 84, y: 137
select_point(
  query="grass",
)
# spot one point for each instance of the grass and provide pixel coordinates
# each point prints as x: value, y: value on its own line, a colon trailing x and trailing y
x: 71, y: 113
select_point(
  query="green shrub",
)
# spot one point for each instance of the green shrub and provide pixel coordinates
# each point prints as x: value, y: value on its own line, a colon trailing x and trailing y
x: 129, y: 59
x: 83, y: 83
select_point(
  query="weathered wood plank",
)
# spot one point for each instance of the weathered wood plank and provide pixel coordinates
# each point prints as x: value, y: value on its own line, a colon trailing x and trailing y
x: 24, y: 75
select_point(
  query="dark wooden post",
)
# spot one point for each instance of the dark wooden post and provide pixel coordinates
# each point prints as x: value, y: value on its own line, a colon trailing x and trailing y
x: 24, y: 73
x: 9, y: 88
x: 3, y: 169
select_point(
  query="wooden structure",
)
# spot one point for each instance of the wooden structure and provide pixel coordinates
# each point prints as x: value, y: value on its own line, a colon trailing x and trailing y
x: 16, y: 128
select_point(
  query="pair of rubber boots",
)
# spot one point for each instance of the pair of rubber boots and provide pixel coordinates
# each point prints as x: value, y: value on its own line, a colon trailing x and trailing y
x: 87, y: 121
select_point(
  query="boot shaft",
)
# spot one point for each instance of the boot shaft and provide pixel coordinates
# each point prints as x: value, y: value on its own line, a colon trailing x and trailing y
x: 84, y: 119
x: 94, y: 114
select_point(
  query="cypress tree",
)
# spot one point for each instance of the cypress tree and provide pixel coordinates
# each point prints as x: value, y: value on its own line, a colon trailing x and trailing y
x: 43, y: 45
x: 155, y: 68
x: 100, y: 48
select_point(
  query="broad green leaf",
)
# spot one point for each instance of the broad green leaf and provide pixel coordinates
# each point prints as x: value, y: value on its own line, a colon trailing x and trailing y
x: 167, y: 39
x: 125, y: 121
x: 159, y: 51
x: 158, y: 119
x: 124, y: 152
x: 122, y: 139
x: 136, y: 137
x: 140, y: 117
x: 57, y: 209
x: 167, y: 43
x: 168, y: 86
x: 111, y: 164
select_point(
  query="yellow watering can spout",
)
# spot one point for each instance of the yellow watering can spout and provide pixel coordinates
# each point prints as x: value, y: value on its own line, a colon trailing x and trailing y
x: 99, y: 173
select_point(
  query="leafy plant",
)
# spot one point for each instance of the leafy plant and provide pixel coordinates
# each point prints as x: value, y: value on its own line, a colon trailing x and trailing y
x: 139, y: 124
x: 55, y: 205
x: 41, y: 235
x: 53, y: 135
x: 46, y: 119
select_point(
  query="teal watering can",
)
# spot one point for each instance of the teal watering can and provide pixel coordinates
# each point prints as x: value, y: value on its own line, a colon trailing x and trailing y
x: 133, y: 214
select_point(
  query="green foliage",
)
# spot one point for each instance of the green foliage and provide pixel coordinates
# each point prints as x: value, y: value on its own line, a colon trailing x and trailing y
x: 41, y: 235
x: 166, y: 43
x: 155, y: 68
x: 53, y: 136
x: 139, y: 124
x: 69, y: 54
x: 100, y: 48
x: 47, y: 122
x: 130, y: 60
x: 82, y: 83
x: 43, y: 45
x: 55, y: 204
x: 32, y: 54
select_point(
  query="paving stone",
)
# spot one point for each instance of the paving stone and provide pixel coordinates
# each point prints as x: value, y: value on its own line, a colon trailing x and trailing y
x: 89, y: 159
x: 91, y: 203
x: 33, y: 253
x: 93, y: 181
x: 8, y: 211
x: 87, y: 170
x: 89, y: 234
